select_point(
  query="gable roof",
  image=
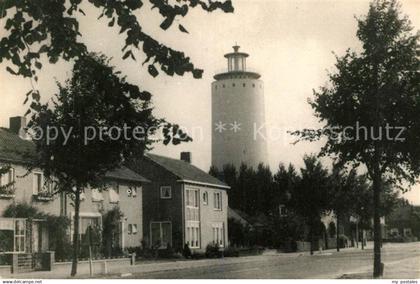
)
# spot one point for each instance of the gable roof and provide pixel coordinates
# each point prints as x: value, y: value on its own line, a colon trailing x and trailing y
x: 14, y: 149
x: 185, y: 171
x: 125, y: 174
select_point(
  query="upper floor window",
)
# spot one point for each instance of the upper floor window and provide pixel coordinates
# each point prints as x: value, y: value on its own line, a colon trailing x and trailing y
x: 114, y: 194
x: 8, y: 177
x: 132, y: 191
x: 165, y: 192
x: 97, y: 195
x: 37, y: 183
x: 192, y: 198
x: 205, y: 198
x: 218, y: 201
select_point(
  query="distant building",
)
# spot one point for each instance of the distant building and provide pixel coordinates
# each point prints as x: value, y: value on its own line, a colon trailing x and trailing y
x: 182, y: 205
x: 238, y: 115
x: 403, y: 223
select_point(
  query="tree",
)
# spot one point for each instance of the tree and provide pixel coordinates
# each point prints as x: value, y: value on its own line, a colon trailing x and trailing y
x: 285, y: 180
x: 51, y: 28
x: 88, y: 116
x: 370, y: 106
x: 310, y: 196
x: 343, y: 187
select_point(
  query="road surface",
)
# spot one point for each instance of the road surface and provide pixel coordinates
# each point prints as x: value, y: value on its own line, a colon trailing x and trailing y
x: 401, y: 261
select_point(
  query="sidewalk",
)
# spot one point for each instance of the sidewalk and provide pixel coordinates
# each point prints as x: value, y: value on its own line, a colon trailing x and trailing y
x: 167, y: 265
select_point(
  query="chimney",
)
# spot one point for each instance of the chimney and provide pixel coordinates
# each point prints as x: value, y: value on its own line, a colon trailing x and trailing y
x: 17, y: 125
x: 186, y: 157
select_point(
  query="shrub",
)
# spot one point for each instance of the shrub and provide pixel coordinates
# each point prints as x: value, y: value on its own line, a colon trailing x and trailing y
x: 213, y: 251
x: 231, y: 252
x: 186, y: 252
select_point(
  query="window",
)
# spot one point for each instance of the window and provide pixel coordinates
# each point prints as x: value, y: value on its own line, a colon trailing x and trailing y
x: 218, y: 234
x: 253, y: 85
x: 192, y: 201
x: 233, y: 85
x: 192, y: 237
x: 205, y: 198
x: 114, y: 194
x: 132, y: 191
x: 7, y: 178
x: 218, y: 201
x: 160, y: 234
x: 224, y: 85
x: 282, y: 210
x: 37, y: 183
x: 130, y: 229
x: 192, y: 198
x: 134, y: 229
x: 20, y: 226
x: 165, y: 192
x: 97, y: 195
x: 244, y: 85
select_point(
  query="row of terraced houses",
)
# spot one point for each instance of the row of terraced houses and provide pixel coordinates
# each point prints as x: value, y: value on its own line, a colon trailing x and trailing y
x: 165, y: 202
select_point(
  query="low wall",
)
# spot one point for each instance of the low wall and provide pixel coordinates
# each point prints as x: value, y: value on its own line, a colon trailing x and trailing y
x: 98, y: 266
x: 303, y: 246
x: 332, y: 243
x: 5, y: 269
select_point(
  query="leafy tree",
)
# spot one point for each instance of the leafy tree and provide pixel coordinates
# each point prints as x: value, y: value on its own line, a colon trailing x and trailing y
x: 110, y: 223
x: 285, y: 181
x: 51, y: 28
x: 371, y: 96
x: 343, y: 186
x: 95, y: 99
x: 310, y: 197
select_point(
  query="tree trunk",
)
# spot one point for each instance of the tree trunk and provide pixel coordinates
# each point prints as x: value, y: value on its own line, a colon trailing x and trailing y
x: 337, y: 233
x: 76, y: 233
x: 311, y: 237
x: 377, y: 269
x: 363, y: 239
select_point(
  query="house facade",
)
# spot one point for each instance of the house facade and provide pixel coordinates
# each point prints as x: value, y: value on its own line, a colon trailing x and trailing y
x: 183, y: 205
x: 18, y: 186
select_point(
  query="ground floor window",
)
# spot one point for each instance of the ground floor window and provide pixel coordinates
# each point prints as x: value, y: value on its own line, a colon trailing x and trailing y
x: 12, y: 235
x: 193, y: 234
x: 160, y: 234
x: 218, y: 234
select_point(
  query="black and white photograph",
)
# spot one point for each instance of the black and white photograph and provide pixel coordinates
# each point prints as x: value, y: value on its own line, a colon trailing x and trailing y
x: 209, y: 139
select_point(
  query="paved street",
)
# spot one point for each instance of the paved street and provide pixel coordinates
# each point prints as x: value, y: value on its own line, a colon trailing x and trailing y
x: 401, y: 261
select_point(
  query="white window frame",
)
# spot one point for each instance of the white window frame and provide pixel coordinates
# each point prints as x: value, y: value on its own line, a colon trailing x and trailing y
x: 205, y: 198
x: 165, y: 187
x: 218, y: 232
x: 193, y: 234
x: 97, y: 193
x: 116, y: 189
x: 218, y: 203
x: 162, y: 246
x: 37, y: 188
x: 132, y: 191
x: 8, y: 179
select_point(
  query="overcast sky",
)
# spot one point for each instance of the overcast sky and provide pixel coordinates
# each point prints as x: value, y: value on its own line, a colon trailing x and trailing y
x: 291, y: 43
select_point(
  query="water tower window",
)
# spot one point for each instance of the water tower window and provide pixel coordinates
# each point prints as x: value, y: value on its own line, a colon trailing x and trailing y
x: 253, y: 85
x: 233, y: 85
x: 244, y: 85
x: 223, y: 85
